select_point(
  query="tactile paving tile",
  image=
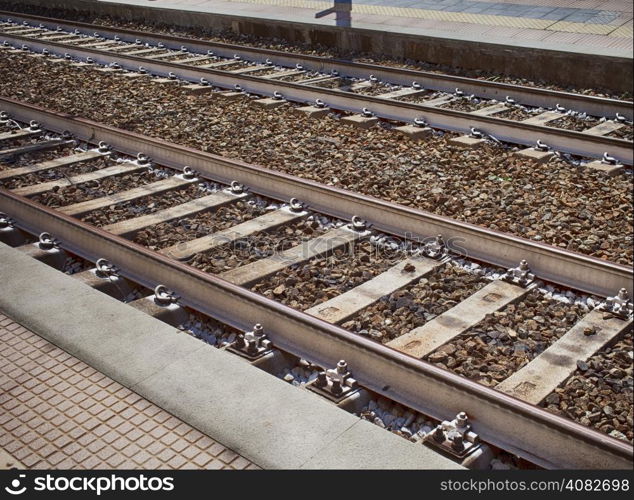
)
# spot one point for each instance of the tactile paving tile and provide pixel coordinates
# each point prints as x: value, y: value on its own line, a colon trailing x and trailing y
x: 623, y: 32
x: 56, y: 412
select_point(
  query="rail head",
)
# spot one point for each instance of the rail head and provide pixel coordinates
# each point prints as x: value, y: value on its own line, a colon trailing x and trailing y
x: 506, y: 130
x: 549, y: 263
x: 545, y: 438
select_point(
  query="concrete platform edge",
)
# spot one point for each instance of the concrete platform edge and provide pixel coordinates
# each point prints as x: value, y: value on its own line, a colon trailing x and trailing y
x: 536, y: 61
x: 269, y: 422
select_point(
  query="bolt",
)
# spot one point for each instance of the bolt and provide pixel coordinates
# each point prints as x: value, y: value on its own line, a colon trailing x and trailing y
x: 46, y: 241
x: 5, y: 221
x: 236, y: 187
x: 439, y: 434
x: 296, y: 205
x: 188, y: 173
x: 322, y: 380
x: 252, y: 348
x: 336, y: 388
x: 462, y: 419
x: 358, y: 224
x: 541, y: 146
x: 457, y: 441
x: 342, y: 367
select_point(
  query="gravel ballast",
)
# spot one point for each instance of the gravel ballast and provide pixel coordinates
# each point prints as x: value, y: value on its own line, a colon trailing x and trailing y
x: 78, y: 193
x: 146, y: 205
x: 57, y: 173
x: 305, y: 285
x: 259, y: 246
x: 188, y: 228
x: 507, y: 340
x: 599, y: 393
x: 415, y: 305
x: 556, y: 203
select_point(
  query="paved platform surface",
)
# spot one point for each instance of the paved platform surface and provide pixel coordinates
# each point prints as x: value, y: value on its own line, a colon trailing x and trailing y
x: 57, y: 412
x: 269, y: 422
x: 586, y: 26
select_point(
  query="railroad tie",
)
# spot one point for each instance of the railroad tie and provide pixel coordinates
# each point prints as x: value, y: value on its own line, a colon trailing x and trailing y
x: 546, y: 372
x: 30, y: 148
x: 48, y: 165
x: 135, y: 224
x: 122, y: 196
x: 185, y: 250
x: 283, y: 74
x: 408, y: 91
x: 347, y: 304
x: 542, y: 118
x: 142, y: 51
x: 25, y: 132
x: 191, y: 60
x: 425, y: 339
x: 603, y: 128
x: 490, y: 110
x: 333, y: 239
x: 78, y: 179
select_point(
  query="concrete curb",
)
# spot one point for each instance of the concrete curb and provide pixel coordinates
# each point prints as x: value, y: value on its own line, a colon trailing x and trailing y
x: 269, y: 422
x: 534, y: 60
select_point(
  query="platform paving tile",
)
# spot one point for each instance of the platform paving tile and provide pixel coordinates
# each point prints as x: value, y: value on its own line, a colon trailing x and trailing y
x: 59, y: 413
x: 463, y: 18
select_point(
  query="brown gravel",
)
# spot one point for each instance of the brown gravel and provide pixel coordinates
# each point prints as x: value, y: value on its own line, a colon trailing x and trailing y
x: 376, y: 89
x: 466, y: 105
x: 259, y: 246
x: 627, y: 133
x: 334, y: 84
x: 144, y: 206
x: 321, y: 279
x: 34, y: 157
x: 599, y: 393
x: 57, y: 173
x: 427, y: 95
x: 574, y: 123
x: 68, y: 195
x: 415, y: 305
x: 516, y: 114
x: 550, y: 202
x: 17, y: 142
x: 188, y: 228
x: 298, y: 78
x: 229, y: 36
x: 506, y: 340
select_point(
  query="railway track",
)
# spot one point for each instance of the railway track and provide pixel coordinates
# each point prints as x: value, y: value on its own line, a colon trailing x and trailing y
x: 90, y: 184
x: 565, y: 122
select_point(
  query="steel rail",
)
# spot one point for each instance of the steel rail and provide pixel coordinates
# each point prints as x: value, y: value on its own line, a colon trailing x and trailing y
x: 505, y: 130
x: 531, y: 96
x: 550, y: 263
x: 509, y: 423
